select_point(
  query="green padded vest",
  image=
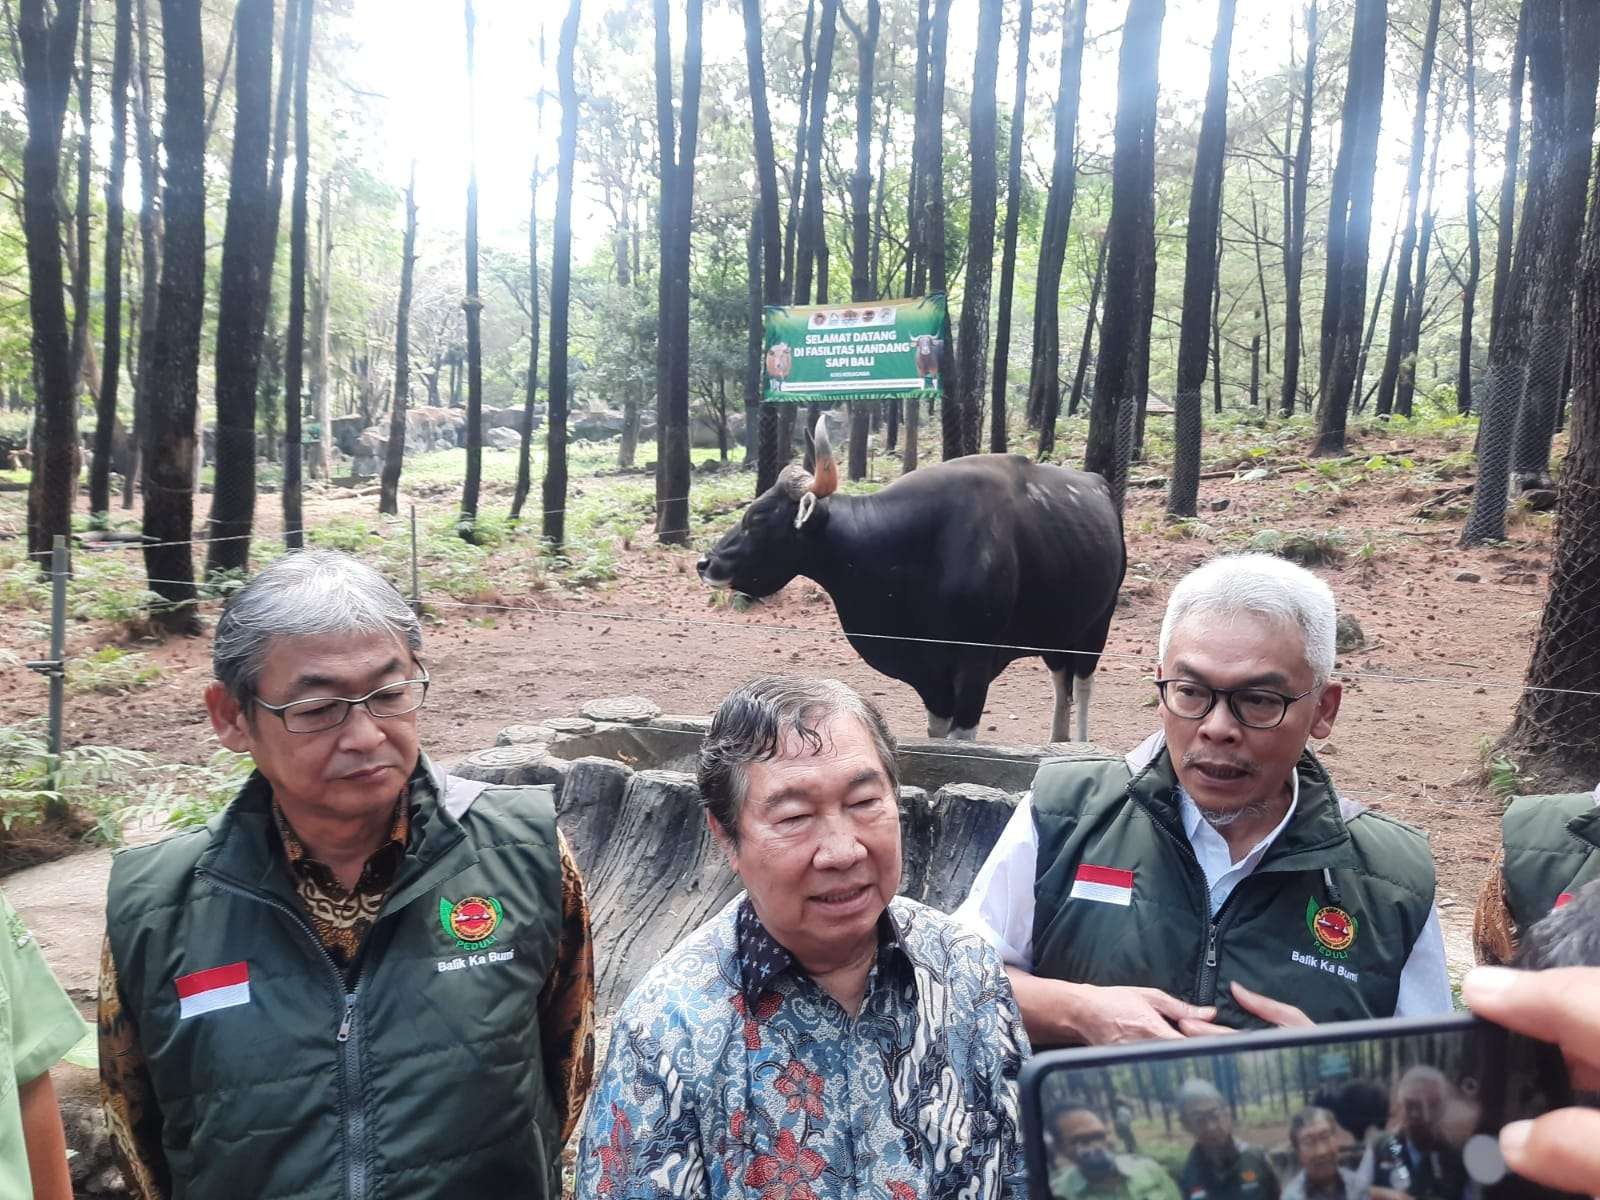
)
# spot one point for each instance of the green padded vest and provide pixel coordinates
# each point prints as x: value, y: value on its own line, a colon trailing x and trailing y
x: 424, y: 1079
x: 1326, y: 920
x: 1552, y: 848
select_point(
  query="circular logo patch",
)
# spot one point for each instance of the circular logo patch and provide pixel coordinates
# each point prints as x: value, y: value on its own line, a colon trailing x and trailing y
x: 1334, y: 927
x: 471, y: 921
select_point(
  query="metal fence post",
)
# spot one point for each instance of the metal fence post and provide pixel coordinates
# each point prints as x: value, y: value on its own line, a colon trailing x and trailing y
x: 416, y: 590
x: 54, y: 667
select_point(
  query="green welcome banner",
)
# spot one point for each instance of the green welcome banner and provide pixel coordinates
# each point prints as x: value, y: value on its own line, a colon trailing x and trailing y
x: 874, y: 350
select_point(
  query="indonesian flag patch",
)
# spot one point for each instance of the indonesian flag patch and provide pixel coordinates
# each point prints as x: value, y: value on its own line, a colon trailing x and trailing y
x: 1563, y: 900
x: 1107, y: 885
x: 207, y: 991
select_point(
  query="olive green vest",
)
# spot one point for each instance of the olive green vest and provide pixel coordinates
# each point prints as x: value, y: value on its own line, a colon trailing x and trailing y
x: 1552, y: 848
x: 1326, y: 920
x: 425, y: 1078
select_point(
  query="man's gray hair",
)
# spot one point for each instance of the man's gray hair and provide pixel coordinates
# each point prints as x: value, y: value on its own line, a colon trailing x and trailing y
x: 1307, y: 1117
x: 1195, y: 1091
x: 752, y: 724
x: 1262, y: 585
x: 310, y: 593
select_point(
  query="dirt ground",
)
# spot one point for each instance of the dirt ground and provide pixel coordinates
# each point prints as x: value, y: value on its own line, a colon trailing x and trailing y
x: 1440, y: 669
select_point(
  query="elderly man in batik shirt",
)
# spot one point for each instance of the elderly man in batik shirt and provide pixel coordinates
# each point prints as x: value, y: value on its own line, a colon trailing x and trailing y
x: 820, y: 1033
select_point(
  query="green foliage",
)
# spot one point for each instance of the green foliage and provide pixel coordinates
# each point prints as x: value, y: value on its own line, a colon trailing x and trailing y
x: 1502, y: 773
x: 1322, y: 548
x: 184, y: 796
x: 111, y: 671
x: 90, y: 781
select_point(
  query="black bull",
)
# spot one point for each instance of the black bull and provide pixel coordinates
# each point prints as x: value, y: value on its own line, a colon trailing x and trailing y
x: 948, y: 575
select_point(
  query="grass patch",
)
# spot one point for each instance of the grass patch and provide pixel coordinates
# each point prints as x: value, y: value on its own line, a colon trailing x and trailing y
x: 111, y: 671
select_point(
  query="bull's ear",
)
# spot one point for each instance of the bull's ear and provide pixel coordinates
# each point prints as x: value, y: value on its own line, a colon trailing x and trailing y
x: 826, y: 474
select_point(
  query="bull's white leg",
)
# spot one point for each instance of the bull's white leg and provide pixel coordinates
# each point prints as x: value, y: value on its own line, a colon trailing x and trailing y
x: 1082, y: 690
x: 964, y: 735
x: 938, y: 727
x: 1061, y: 720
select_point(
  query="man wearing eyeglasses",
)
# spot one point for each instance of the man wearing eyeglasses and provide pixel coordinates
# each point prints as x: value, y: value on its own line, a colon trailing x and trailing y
x: 1214, y: 879
x: 363, y: 977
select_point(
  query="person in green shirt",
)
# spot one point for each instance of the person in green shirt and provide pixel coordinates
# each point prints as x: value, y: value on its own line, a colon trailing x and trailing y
x: 38, y: 1025
x: 1088, y: 1170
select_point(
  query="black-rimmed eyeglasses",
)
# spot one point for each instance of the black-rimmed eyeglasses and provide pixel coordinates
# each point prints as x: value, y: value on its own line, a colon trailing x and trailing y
x: 1254, y: 708
x: 318, y: 714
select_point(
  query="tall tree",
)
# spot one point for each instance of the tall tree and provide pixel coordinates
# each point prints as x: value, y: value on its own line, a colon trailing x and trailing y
x: 1399, y: 312
x: 797, y: 175
x: 472, y: 304
x: 972, y: 349
x: 1509, y: 343
x: 1131, y: 253
x: 1351, y: 215
x: 525, y: 446
x: 46, y: 44
x: 769, y: 456
x: 554, y: 493
x: 1505, y: 230
x: 105, y: 417
x: 295, y: 336
x: 149, y: 247
x: 812, y: 234
x: 1559, y: 708
x: 677, y: 142
x: 1008, y: 248
x: 1044, y: 375
x: 1200, y: 272
x: 935, y: 242
x: 1086, y: 348
x: 246, y: 278
x: 1552, y: 305
x: 169, y: 437
x: 394, y: 453
x: 1469, y: 289
x: 1417, y: 300
x: 755, y: 334
x: 924, y: 142
x: 82, y: 257
x: 861, y: 286
x: 321, y: 315
x: 1294, y: 233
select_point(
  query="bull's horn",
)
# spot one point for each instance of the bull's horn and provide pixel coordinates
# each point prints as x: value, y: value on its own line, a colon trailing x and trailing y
x: 826, y: 475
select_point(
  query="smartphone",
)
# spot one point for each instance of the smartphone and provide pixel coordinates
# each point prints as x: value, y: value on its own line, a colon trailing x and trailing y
x: 1403, y: 1109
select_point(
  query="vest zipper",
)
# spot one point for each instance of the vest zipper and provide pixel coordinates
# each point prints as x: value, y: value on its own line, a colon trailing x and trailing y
x: 351, y: 1117
x: 1205, y: 980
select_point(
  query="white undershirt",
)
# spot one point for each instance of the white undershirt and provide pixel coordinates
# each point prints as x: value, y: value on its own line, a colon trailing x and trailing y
x: 1000, y: 906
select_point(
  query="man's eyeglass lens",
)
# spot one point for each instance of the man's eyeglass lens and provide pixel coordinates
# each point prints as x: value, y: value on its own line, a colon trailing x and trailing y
x: 314, y: 716
x: 1255, y: 708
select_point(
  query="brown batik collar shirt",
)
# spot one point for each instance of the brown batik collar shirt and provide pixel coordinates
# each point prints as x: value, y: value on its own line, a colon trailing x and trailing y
x: 341, y: 919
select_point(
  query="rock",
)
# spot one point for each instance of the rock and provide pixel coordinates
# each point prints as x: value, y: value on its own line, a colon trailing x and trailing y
x: 502, y: 439
x: 569, y: 725
x: 430, y: 428
x: 591, y: 802
x: 596, y: 425
x: 508, y: 418
x: 700, y: 725
x: 346, y: 430
x: 1220, y: 504
x: 515, y: 766
x: 1468, y: 577
x: 1539, y: 499
x: 93, y: 1165
x: 1327, y: 750
x: 626, y: 710
x: 1348, y: 634
x: 525, y: 735
x: 1257, y: 473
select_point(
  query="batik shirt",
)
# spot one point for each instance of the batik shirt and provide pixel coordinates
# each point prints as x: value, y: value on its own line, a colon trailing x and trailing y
x: 732, y: 1074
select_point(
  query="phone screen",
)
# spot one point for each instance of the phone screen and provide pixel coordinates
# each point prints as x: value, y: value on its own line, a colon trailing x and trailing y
x: 1393, y: 1110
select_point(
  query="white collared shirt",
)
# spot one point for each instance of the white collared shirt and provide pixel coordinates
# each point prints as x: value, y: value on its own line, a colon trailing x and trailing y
x: 1000, y: 906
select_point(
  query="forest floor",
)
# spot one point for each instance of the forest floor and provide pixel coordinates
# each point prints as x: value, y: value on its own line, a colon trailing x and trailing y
x: 514, y: 637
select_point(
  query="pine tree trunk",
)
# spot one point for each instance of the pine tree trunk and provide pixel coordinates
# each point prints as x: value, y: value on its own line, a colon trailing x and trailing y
x: 1008, y: 250
x: 1360, y: 131
x: 246, y: 279
x: 46, y: 52
x: 1509, y: 346
x: 1558, y: 714
x: 560, y: 393
x: 1399, y: 311
x: 150, y: 250
x: 861, y: 287
x: 1469, y: 291
x: 82, y: 257
x: 1086, y: 348
x: 812, y: 233
x: 1200, y: 274
x: 295, y: 351
x: 769, y: 455
x: 472, y: 305
x: 1417, y: 302
x: 933, y: 164
x: 395, y: 452
x: 755, y: 333
x: 797, y: 176
x: 1130, y: 256
x: 105, y: 417
x: 1295, y: 233
x: 169, y: 437
x: 972, y: 352
x: 525, y: 447
x: 321, y: 376
x: 1504, y: 238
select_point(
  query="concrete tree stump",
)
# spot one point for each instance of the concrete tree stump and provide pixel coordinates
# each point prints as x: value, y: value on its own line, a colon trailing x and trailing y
x: 514, y: 766
x: 525, y: 735
x: 591, y: 803
x: 622, y: 710
x: 945, y: 839
x: 569, y: 725
x: 656, y: 879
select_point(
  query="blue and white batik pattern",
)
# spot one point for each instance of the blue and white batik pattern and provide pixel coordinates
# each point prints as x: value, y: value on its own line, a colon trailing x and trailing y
x: 731, y: 1074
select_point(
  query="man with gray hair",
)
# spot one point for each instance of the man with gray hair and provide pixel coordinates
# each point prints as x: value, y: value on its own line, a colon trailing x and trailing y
x: 362, y: 977
x: 820, y: 1036
x: 1219, y: 1166
x: 1178, y: 890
